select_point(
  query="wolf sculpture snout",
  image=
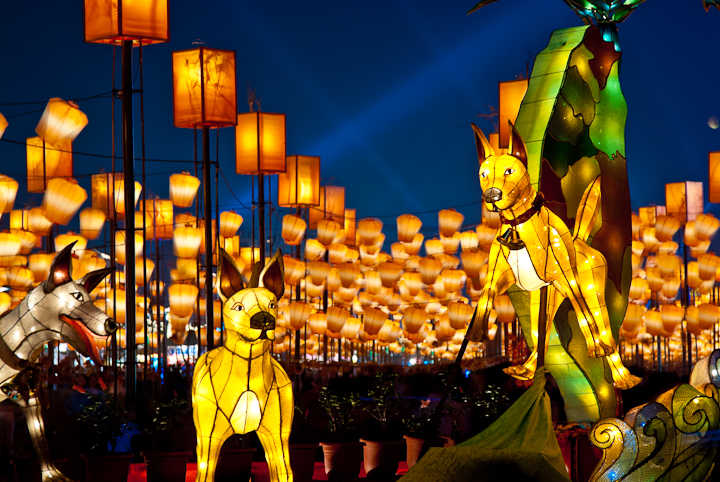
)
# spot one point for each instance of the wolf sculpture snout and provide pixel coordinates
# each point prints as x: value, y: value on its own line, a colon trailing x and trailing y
x: 110, y: 326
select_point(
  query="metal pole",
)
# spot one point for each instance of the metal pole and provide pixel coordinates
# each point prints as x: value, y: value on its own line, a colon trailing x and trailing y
x: 129, y: 176
x: 261, y: 216
x: 146, y: 341
x: 208, y: 239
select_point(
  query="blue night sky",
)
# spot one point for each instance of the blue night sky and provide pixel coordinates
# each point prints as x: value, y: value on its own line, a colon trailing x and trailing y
x: 383, y: 91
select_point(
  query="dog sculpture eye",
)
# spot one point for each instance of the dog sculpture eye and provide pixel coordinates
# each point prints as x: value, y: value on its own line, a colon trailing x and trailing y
x: 483, y: 174
x: 78, y: 296
x: 238, y: 307
x: 509, y: 171
x: 271, y: 305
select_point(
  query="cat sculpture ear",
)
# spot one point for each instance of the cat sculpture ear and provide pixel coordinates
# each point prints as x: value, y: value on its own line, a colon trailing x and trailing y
x: 230, y: 279
x: 273, y: 276
x: 517, y: 145
x: 484, y: 149
x: 60, y: 269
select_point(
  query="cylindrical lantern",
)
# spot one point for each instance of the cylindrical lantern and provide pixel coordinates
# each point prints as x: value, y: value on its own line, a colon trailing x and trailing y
x: 706, y: 225
x: 453, y: 279
x: 389, y: 274
x: 653, y: 323
x: 112, y: 21
x: 27, y: 240
x: 299, y: 185
x: 10, y: 244
x: 638, y: 286
x: 38, y: 223
x: 318, y: 271
x: 430, y: 269
x: 671, y: 316
x: 350, y: 227
x: 204, y: 88
x: 186, y: 242
x: 314, y: 249
x: 666, y: 227
x: 62, y: 200
x: 47, y: 161
x: 183, y: 189
x: 108, y: 194
x: 408, y: 225
x: 61, y: 122
x: 708, y: 315
x: 449, y: 221
x: 182, y: 299
x: 8, y: 191
x: 351, y: 328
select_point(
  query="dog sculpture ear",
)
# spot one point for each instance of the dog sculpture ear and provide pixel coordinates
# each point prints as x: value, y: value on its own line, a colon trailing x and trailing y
x: 92, y: 279
x: 517, y: 145
x: 484, y: 149
x: 60, y: 269
x: 230, y: 279
x: 273, y: 276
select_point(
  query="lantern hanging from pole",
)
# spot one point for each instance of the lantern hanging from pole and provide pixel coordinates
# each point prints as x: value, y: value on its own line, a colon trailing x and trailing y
x: 108, y: 194
x: 112, y: 21
x: 46, y: 161
x: 186, y: 242
x: 230, y: 222
x: 8, y: 191
x: 62, y: 200
x: 332, y: 206
x: 183, y: 189
x: 204, y: 88
x: 120, y: 246
x: 300, y: 184
x: 61, y: 122
x: 511, y: 95
x: 260, y: 144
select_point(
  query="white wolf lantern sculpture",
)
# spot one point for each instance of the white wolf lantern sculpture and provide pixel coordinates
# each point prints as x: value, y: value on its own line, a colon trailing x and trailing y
x: 59, y: 309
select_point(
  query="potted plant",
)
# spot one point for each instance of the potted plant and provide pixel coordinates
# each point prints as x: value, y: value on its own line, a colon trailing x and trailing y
x: 381, y: 453
x: 162, y: 461
x: 422, y: 432
x: 302, y: 448
x: 104, y: 424
x: 235, y: 461
x: 342, y: 458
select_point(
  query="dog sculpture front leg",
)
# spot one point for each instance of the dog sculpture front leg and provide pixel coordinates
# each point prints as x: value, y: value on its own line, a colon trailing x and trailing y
x: 274, y: 430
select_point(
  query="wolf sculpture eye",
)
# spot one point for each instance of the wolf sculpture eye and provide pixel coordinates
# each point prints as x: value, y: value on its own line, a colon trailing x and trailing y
x: 78, y: 296
x: 238, y: 307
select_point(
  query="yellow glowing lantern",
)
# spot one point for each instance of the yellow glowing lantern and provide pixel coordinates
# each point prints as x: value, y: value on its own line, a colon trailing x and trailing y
x: 249, y: 256
x: 714, y: 176
x: 10, y: 244
x: 468, y: 240
x: 317, y: 322
x: 504, y: 309
x: 671, y: 316
x: 186, y: 242
x: 314, y: 249
x: 668, y: 264
x: 183, y: 189
x: 412, y: 249
x: 472, y: 261
x: 120, y: 246
x: 459, y: 315
x: 373, y: 320
x: 20, y: 219
x: 47, y: 161
x: 63, y: 240
x: 708, y: 315
x: 348, y: 273
x: 638, y: 286
x: 708, y: 265
x: 112, y: 21
x: 27, y: 240
x: 294, y: 270
x: 368, y: 230
x: 655, y: 279
x: 633, y: 317
x: 230, y: 222
x: 693, y: 325
x: 38, y: 223
x: 430, y: 269
x: 3, y: 125
x: 336, y: 318
x: 318, y: 271
x: 653, y: 323
x: 298, y: 313
x: 337, y: 253
x: 449, y: 221
x: 670, y: 288
x: 8, y: 191
x: 408, y: 225
x: 511, y: 94
x: 61, y: 122
x: 14, y: 261
x: 108, y: 194
x: 693, y: 275
x: 149, y: 268
x: 453, y: 279
x: 5, y: 303
x: 299, y: 185
x: 89, y: 261
x: 373, y: 282
x: 666, y: 227
x: 204, y: 88
x: 62, y: 200
x: 684, y: 200
x: 327, y: 231
x: 434, y: 247
x: 19, y: 278
x: 350, y: 226
x: 486, y: 235
x: 706, y: 225
x: 414, y: 319
x: 182, y: 299
x: 351, y: 328
x: 153, y: 289
x: 293, y: 229
x: 450, y: 244
x: 260, y: 143
x: 92, y: 221
x: 389, y: 274
x: 332, y: 206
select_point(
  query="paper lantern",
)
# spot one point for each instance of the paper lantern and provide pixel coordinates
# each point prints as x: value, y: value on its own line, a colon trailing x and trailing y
x: 511, y: 94
x: 61, y: 122
x: 670, y: 288
x: 706, y: 225
x: 714, y: 176
x: 111, y: 22
x: 8, y: 191
x: 351, y: 328
x: 369, y: 230
x: 5, y: 303
x: 19, y: 278
x: 459, y: 315
x: 389, y: 274
x: 408, y: 225
x: 92, y: 221
x: 453, y: 279
x: 472, y: 261
x: 204, y: 88
x: 430, y: 269
x: 230, y: 222
x: 332, y: 206
x: 314, y: 249
x: 299, y: 185
x: 186, y: 242
x: 504, y: 308
x: 298, y: 313
x: 373, y: 320
x: 468, y: 240
x: 693, y: 324
x: 182, y: 299
x: 318, y: 271
x: 653, y: 323
x: 260, y: 143
x: 669, y: 264
x: 62, y: 200
x: 449, y: 221
x: 47, y: 161
x: 153, y: 289
x: 450, y: 244
x: 693, y: 275
x: 38, y: 223
x: 183, y: 189
x: 336, y: 318
x: 671, y: 316
x: 348, y: 273
x: 414, y: 319
x: 633, y: 317
x: 149, y: 268
x: 317, y: 322
x: 684, y: 200
x: 708, y: 265
x: 27, y: 240
x: 293, y: 229
x: 350, y: 226
x: 3, y: 125
x: 108, y: 194
x: 638, y: 286
x: 412, y: 249
x: 161, y: 213
x: 708, y: 315
x: 120, y: 246
x: 389, y: 332
x: 327, y: 231
x: 89, y: 261
x: 20, y: 219
x: 666, y: 227
x: 655, y: 279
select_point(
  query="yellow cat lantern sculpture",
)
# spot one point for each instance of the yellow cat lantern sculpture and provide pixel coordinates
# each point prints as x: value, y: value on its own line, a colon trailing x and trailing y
x: 239, y: 387
x: 535, y: 249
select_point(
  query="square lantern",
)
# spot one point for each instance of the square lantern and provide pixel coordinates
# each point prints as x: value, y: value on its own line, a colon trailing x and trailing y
x: 46, y: 161
x: 106, y: 188
x: 204, y: 88
x: 511, y: 96
x: 260, y: 143
x: 332, y: 206
x: 300, y: 184
x: 714, y: 177
x: 61, y: 122
x: 350, y: 219
x: 649, y: 214
x: 684, y: 200
x: 112, y: 21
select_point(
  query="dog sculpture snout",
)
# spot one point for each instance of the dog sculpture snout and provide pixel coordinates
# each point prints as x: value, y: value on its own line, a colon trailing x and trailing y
x: 492, y: 195
x: 262, y: 321
x: 110, y: 326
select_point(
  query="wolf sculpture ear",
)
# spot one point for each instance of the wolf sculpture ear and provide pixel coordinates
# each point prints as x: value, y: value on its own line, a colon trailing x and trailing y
x: 273, y: 276
x: 60, y: 269
x: 230, y: 279
x: 92, y: 279
x: 484, y: 149
x: 517, y: 145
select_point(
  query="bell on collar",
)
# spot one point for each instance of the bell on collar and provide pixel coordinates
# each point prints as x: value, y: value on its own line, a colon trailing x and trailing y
x: 510, y: 239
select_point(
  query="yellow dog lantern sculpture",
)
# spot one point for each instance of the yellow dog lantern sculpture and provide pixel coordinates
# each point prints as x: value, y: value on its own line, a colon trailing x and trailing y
x: 534, y: 249
x: 239, y: 387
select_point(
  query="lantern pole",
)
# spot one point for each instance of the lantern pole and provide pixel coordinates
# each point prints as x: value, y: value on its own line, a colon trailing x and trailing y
x: 210, y: 342
x: 129, y: 176
x: 261, y: 212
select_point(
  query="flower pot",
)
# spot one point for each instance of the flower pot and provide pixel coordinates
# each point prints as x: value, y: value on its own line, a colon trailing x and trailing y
x: 234, y: 464
x: 107, y: 467
x: 166, y: 466
x: 302, y: 461
x: 381, y: 459
x: 416, y: 447
x: 342, y: 460
x: 28, y: 470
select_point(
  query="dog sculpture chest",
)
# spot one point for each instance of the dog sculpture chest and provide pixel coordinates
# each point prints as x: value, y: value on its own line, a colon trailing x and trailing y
x: 535, y: 248
x: 240, y: 387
